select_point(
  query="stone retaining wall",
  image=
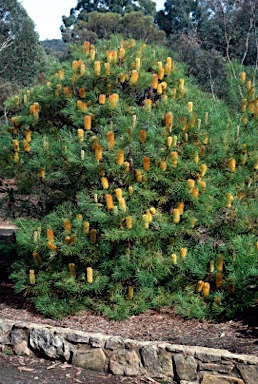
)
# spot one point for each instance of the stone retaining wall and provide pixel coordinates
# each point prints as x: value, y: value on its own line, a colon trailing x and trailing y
x: 159, y: 360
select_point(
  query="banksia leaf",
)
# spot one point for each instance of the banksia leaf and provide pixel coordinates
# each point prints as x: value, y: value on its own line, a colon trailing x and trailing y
x: 146, y: 163
x: 86, y: 227
x: 183, y: 252
x: 134, y: 77
x: 109, y: 202
x: 87, y: 122
x: 110, y: 139
x: 67, y: 226
x: 37, y: 258
x: 129, y: 222
x: 71, y: 269
x: 32, y: 276
x: 143, y: 135
x: 219, y: 280
x: 232, y: 164
x: 93, y: 236
x: 89, y: 275
x: 104, y: 182
x: 176, y: 215
x: 130, y: 292
x: 120, y: 157
x: 206, y: 289
x: 199, y: 286
x: 174, y: 258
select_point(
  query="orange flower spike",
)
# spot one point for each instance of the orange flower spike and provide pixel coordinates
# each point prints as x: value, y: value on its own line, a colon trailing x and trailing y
x: 98, y: 152
x: 206, y: 289
x: 67, y: 226
x: 104, y: 182
x: 219, y: 280
x: 121, y: 53
x: 130, y: 292
x: 42, y: 174
x: 143, y: 136
x: 102, y: 99
x: 82, y: 93
x: 75, y: 65
x: 92, y: 53
x: 174, y: 258
x: 87, y: 122
x: 28, y: 135
x: 50, y: 235
x: 122, y: 77
x: 127, y: 166
x: 120, y: 157
x: 180, y: 205
x: 163, y: 165
x: 37, y: 258
x: 97, y: 68
x: 174, y: 158
x: 169, y: 121
x: 86, y: 47
x: 155, y: 80
x: 16, y: 146
x: 232, y: 164
x: 110, y: 139
x: 146, y: 163
x: 220, y: 265
x: 109, y: 202
x: 190, y: 183
x: 138, y: 175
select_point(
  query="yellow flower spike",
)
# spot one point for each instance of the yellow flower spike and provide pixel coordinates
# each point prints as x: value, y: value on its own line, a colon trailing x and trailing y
x: 122, y: 77
x: 121, y: 53
x: 206, y: 289
x: 36, y: 258
x: 183, y: 252
x: 232, y: 164
x: 87, y: 122
x: 52, y: 246
x: 92, y: 53
x: 137, y: 63
x: 138, y: 175
x: 174, y: 158
x: 243, y: 77
x: 89, y: 273
x: 143, y: 135
x: 220, y: 264
x: 161, y: 72
x: 145, y: 221
x: 16, y: 146
x: 28, y: 135
x: 211, y: 266
x: 104, y: 182
x: 169, y: 121
x: 195, y: 192
x: 243, y: 105
x: 82, y: 69
x: 79, y: 216
x: 174, y: 140
x: 93, y: 236
x: 102, y: 99
x: 82, y: 155
x: 155, y: 80
x: 42, y: 174
x: 126, y: 166
x: 119, y: 193
x: 190, y: 183
x: 32, y: 277
x: 159, y: 64
x: 147, y: 104
x: 71, y: 269
x: 109, y: 202
x: 107, y: 69
x: 199, y: 286
x: 190, y: 106
x: 130, y: 292
x: 86, y: 227
x: 120, y: 157
x: 152, y: 210
x: 129, y: 222
x: 134, y: 120
x: 193, y: 222
x: 130, y: 190
x: 146, y: 163
x: 174, y: 258
x: 110, y: 139
x: 134, y: 76
x: 81, y: 105
x: 196, y: 158
x: 122, y: 204
x: 167, y: 69
x: 75, y: 65
x: 176, y: 215
x: 230, y: 199
x: 159, y: 89
x: 219, y: 280
x: 181, y: 206
x: 163, y: 165
x: 97, y: 68
x: 82, y: 93
x: 80, y: 135
x: 203, y: 168
x: 98, y: 152
x: 169, y: 141
x: 86, y: 47
x: 113, y: 100
x: 202, y: 184
x: 67, y: 226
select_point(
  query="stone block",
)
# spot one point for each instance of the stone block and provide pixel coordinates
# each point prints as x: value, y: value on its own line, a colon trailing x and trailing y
x: 114, y: 343
x: 93, y: 359
x: 125, y: 362
x: 218, y: 379
x: 221, y: 368
x: 157, y: 361
x: 5, y: 328
x: 249, y: 373
x: 49, y: 343
x: 186, y: 367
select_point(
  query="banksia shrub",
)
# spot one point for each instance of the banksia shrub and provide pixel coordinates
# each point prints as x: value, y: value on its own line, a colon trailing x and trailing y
x: 118, y: 141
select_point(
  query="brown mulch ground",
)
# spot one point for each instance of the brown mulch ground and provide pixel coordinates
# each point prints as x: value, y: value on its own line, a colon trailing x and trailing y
x: 164, y: 325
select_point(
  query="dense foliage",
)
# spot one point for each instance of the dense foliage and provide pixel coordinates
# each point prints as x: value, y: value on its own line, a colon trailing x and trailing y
x: 143, y: 188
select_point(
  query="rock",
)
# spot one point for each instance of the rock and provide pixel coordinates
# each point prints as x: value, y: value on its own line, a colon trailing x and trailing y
x: 93, y: 359
x: 218, y: 379
x: 207, y: 356
x: 186, y: 367
x: 21, y: 349
x: 249, y: 373
x: 97, y: 340
x: 17, y: 336
x: 77, y: 337
x: 221, y: 368
x: 5, y: 328
x: 157, y: 361
x: 125, y: 362
x: 48, y: 342
x: 114, y: 343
